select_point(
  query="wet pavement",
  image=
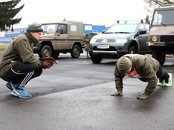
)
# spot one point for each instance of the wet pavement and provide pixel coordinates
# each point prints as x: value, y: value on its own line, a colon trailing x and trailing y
x: 92, y: 108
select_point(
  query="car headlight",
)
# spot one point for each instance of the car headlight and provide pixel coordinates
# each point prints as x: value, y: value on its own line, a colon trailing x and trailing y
x: 121, y: 40
x: 92, y: 40
x: 154, y: 38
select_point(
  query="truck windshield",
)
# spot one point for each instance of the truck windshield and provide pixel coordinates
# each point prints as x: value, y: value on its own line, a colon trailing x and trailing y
x: 122, y: 28
x: 49, y: 28
x: 163, y: 17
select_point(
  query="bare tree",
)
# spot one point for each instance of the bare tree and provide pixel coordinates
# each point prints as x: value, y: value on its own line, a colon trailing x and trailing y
x: 159, y: 2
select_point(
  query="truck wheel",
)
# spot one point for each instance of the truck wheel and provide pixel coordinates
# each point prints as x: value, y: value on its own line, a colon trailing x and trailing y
x: 45, y: 51
x: 132, y: 50
x: 96, y: 59
x: 159, y: 55
x: 75, y: 52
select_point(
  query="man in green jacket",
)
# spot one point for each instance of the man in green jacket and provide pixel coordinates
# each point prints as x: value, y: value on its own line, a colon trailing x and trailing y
x: 19, y: 65
x: 143, y: 67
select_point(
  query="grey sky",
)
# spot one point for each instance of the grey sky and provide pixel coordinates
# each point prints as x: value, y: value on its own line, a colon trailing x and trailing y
x: 100, y: 12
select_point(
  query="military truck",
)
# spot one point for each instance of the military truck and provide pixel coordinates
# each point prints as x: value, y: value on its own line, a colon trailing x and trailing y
x: 61, y: 37
x: 161, y: 38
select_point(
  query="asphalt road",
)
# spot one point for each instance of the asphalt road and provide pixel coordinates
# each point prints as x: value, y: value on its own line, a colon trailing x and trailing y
x: 66, y: 75
x: 75, y: 95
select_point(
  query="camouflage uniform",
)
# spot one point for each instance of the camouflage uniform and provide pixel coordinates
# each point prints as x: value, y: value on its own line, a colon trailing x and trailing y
x: 148, y: 69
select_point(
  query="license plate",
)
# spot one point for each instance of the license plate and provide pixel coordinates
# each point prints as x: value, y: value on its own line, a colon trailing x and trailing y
x: 103, y: 46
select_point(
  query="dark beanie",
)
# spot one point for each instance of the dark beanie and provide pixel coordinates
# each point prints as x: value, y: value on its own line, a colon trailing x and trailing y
x: 34, y: 27
x: 124, y: 64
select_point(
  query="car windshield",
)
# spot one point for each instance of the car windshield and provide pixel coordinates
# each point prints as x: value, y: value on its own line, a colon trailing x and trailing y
x: 122, y: 28
x: 49, y: 28
x: 163, y: 17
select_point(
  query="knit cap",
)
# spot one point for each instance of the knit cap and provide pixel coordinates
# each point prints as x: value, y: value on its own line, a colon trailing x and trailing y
x: 124, y: 64
x: 34, y: 27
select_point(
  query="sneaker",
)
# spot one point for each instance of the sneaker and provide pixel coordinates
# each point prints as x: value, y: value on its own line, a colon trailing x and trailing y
x: 20, y: 92
x: 169, y: 83
x: 160, y: 83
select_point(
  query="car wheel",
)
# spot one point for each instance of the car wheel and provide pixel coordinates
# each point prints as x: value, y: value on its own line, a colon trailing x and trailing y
x: 96, y: 59
x: 75, y: 52
x: 132, y: 50
x: 45, y: 51
x: 159, y: 55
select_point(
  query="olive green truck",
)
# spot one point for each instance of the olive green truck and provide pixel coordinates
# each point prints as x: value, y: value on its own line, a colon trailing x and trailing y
x: 61, y: 37
x: 161, y: 38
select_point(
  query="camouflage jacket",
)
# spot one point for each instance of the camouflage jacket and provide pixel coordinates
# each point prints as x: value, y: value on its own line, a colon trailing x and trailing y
x: 146, y: 66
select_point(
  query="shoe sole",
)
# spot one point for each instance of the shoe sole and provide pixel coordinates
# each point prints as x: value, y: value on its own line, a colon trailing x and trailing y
x: 16, y: 95
x: 12, y: 93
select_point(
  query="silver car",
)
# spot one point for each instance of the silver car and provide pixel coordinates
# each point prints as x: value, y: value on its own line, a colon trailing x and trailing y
x: 118, y: 40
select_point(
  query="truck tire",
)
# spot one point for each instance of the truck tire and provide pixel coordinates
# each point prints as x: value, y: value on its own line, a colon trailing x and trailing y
x: 75, y: 52
x: 96, y: 59
x: 45, y: 51
x: 159, y: 55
